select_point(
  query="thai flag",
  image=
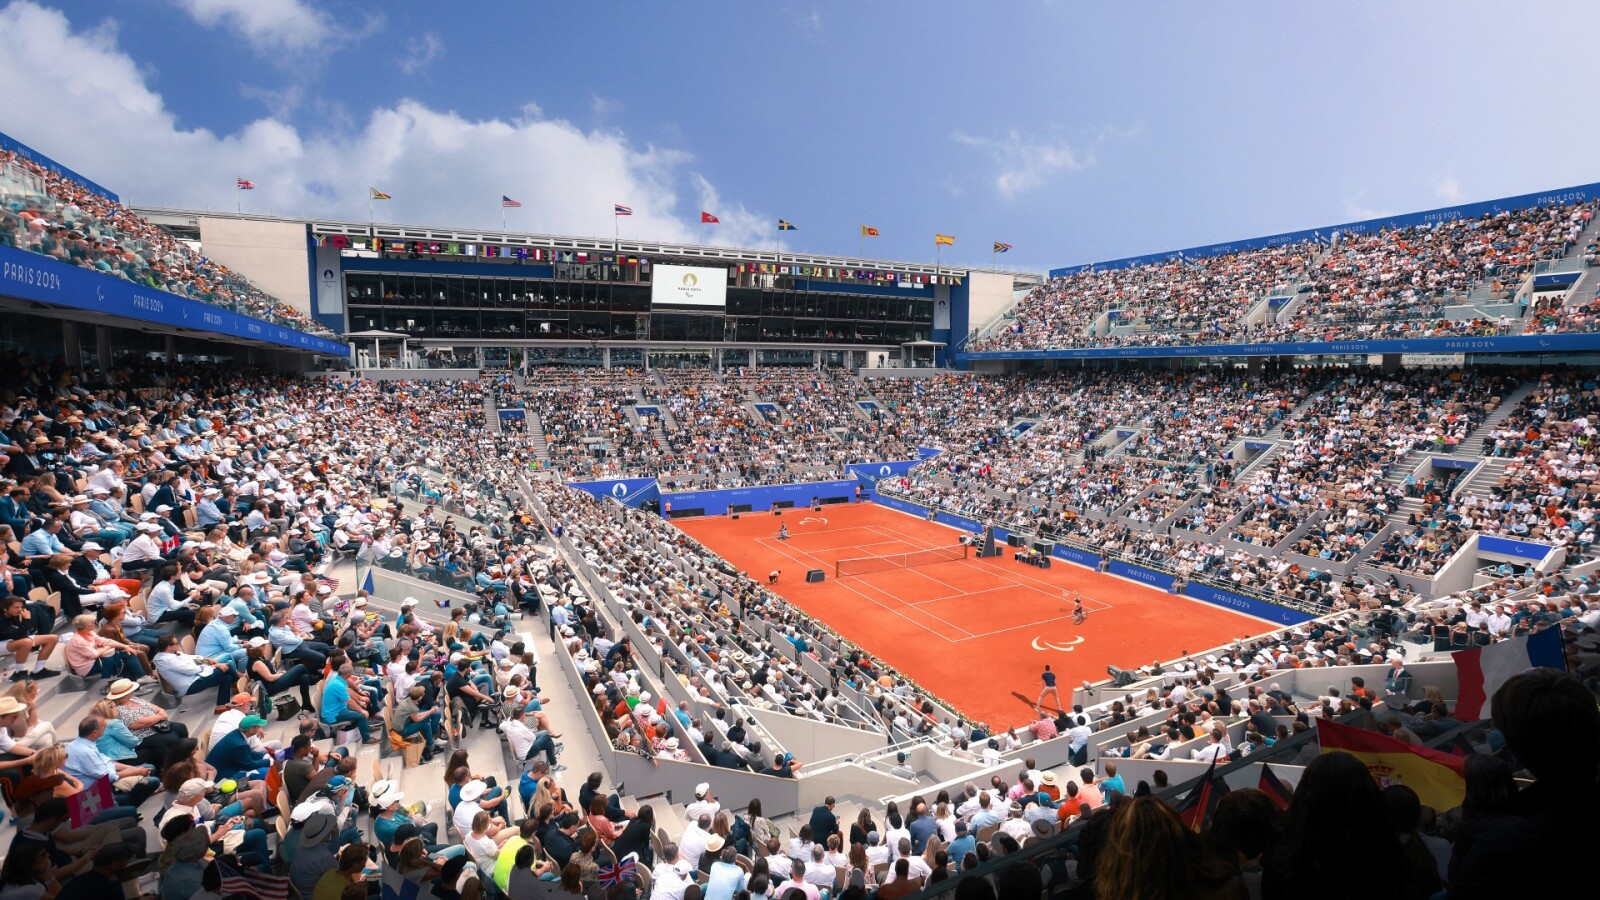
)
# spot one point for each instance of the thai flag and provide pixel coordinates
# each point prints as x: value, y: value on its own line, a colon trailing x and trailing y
x: 619, y: 209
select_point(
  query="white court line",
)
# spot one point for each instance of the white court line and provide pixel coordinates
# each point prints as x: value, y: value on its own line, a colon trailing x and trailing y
x: 768, y: 540
x: 1023, y: 579
x: 863, y: 596
x: 930, y: 615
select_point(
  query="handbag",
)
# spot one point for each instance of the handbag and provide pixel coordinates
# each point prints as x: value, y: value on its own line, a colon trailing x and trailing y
x: 288, y: 708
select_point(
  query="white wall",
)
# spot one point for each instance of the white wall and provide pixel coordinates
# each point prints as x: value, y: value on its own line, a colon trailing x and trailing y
x: 270, y: 254
x: 987, y: 295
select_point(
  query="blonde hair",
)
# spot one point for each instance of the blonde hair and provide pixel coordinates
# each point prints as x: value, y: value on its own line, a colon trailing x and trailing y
x: 49, y: 760
x: 83, y: 622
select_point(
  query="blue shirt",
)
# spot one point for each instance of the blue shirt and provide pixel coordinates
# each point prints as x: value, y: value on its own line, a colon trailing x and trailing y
x: 161, y: 600
x: 284, y: 638
x: 86, y: 763
x: 1049, y: 679
x: 216, y: 641
x: 335, y: 699
x: 725, y: 880
x: 40, y: 542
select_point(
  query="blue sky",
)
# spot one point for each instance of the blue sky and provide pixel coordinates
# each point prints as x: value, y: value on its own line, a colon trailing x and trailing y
x: 1076, y: 132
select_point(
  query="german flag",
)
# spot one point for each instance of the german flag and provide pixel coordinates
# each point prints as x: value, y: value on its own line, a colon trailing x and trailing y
x: 1196, y: 809
x: 1273, y: 787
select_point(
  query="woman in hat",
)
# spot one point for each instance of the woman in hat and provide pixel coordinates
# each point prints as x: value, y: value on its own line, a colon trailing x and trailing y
x: 258, y: 657
x: 27, y: 728
x: 151, y: 724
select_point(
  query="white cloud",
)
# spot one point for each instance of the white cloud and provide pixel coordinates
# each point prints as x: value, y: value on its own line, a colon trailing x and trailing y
x: 603, y: 106
x: 421, y: 51
x: 809, y: 21
x: 75, y: 96
x: 268, y: 25
x: 736, y: 226
x: 1024, y: 162
x: 1448, y: 189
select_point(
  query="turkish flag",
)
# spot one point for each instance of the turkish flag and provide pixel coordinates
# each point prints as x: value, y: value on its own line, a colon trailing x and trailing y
x: 708, y: 219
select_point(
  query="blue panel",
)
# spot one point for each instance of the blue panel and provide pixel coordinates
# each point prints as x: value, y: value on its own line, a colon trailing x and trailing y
x: 1240, y: 603
x: 30, y: 276
x: 647, y: 410
x: 23, y: 150
x: 928, y: 452
x: 868, y: 405
x: 500, y: 269
x: 1142, y: 575
x: 1520, y: 343
x: 1258, y: 445
x: 517, y: 415
x: 634, y: 492
x: 869, y: 473
x: 894, y: 503
x: 1442, y: 463
x: 1074, y: 555
x: 1509, y: 547
x: 765, y: 408
x: 715, y: 503
x: 1124, y: 433
x: 1409, y: 220
x: 1559, y: 279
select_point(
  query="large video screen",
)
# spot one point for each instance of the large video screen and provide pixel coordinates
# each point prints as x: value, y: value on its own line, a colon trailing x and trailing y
x: 688, y: 286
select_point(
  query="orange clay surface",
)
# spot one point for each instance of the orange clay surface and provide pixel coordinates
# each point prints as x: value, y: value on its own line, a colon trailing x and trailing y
x: 975, y: 632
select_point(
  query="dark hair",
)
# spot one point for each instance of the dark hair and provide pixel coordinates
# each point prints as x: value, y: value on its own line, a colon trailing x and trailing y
x: 1336, y: 813
x: 1244, y: 824
x: 1551, y: 723
x: 1489, y: 784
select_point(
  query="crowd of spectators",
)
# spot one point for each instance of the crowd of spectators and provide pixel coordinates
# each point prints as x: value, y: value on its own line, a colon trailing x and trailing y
x: 43, y: 211
x: 1385, y: 284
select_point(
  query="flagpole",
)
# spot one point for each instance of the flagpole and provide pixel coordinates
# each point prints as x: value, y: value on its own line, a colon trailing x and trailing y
x: 502, y: 215
x: 238, y: 197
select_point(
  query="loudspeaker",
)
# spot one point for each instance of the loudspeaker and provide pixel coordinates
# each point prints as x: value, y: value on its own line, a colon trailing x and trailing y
x: 1016, y: 540
x: 736, y: 517
x: 813, y: 576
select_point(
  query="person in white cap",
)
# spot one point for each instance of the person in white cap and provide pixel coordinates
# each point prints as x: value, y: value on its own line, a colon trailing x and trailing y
x: 704, y: 804
x: 468, y: 809
x: 217, y: 641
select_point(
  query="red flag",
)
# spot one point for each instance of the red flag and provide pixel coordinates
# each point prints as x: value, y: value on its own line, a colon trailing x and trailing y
x: 93, y: 800
x: 708, y: 219
x: 1196, y: 809
x: 1273, y: 787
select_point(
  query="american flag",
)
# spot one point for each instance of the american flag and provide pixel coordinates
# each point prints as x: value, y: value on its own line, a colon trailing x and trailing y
x: 253, y: 882
x: 611, y: 876
x: 332, y: 583
x: 509, y: 203
x: 246, y: 184
x: 621, y: 210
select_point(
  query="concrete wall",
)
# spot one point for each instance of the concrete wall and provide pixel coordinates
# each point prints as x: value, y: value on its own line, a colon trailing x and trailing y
x: 987, y: 295
x: 809, y: 739
x: 418, y: 374
x: 270, y: 254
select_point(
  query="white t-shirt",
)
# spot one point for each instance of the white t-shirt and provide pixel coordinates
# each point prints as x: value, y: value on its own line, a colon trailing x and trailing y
x: 483, y: 851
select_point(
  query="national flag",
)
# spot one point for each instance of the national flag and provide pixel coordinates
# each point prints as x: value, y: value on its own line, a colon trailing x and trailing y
x: 1437, y: 777
x: 366, y: 585
x: 948, y: 240
x: 1001, y: 248
x: 395, y: 886
x: 442, y: 604
x: 509, y: 203
x: 1273, y: 787
x: 93, y: 800
x: 332, y: 583
x: 708, y: 219
x: 376, y: 194
x: 785, y: 225
x: 245, y: 184
x: 613, y: 875
x: 1480, y: 671
x: 252, y: 882
x: 620, y: 210
x: 1195, y: 810
x: 868, y: 231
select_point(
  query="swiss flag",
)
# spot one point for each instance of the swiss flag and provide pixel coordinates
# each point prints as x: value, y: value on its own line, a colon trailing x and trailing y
x: 708, y: 219
x: 93, y: 800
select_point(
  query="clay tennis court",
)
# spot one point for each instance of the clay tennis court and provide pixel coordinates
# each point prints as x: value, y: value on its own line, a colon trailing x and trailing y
x: 976, y: 632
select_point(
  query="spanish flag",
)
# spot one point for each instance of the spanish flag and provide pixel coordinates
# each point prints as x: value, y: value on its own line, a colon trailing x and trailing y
x: 1439, y: 778
x: 868, y: 231
x: 378, y: 195
x: 947, y: 240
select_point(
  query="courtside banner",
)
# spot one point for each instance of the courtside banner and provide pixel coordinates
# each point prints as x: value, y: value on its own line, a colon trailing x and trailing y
x: 1074, y: 555
x: 1142, y: 575
x: 634, y: 492
x: 1438, y: 777
x: 1261, y: 609
x: 760, y: 499
x: 1517, y: 343
x: 29, y: 276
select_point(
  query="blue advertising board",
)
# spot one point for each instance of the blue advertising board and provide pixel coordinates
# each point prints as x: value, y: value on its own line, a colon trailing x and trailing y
x: 13, y: 145
x: 1517, y: 343
x: 1509, y: 547
x: 869, y: 473
x: 634, y: 492
x: 928, y: 452
x: 1325, y: 234
x: 1074, y: 555
x: 1261, y: 609
x: 1258, y: 445
x: 1155, y: 579
x: 1440, y: 462
x: 716, y: 502
x: 29, y: 276
x: 513, y: 415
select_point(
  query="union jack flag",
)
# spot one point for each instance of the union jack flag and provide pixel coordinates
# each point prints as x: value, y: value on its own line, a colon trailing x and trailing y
x: 611, y: 876
x: 246, y: 184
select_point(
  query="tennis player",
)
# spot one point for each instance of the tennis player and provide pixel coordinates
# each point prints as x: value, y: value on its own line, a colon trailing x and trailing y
x: 1049, y: 679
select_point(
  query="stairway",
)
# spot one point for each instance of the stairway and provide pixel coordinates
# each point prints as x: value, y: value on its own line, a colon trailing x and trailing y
x: 536, y: 439
x: 1275, y: 433
x: 1584, y: 289
x: 1472, y: 445
x: 491, y: 412
x: 1487, y: 476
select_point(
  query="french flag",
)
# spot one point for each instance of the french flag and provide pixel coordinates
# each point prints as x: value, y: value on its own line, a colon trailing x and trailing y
x: 1481, y: 671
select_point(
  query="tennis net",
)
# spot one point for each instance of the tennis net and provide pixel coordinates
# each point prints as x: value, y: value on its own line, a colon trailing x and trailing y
x: 862, y: 565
